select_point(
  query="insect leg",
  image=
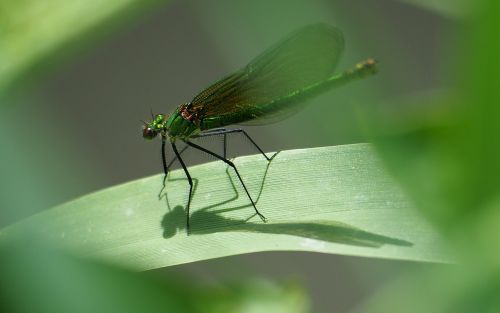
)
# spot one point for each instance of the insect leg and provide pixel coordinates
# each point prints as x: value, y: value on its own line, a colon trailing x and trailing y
x: 228, y: 162
x: 223, y: 131
x: 163, y: 157
x: 177, y: 154
x: 216, y: 132
x: 175, y: 157
x: 169, y: 164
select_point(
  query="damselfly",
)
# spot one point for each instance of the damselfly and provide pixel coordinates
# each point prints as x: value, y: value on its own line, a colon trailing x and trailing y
x: 269, y: 88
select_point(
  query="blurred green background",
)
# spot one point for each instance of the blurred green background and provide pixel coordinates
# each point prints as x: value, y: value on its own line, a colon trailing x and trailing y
x: 74, y: 90
x: 78, y: 123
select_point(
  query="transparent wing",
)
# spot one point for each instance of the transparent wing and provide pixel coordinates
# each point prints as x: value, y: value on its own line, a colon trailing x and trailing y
x: 305, y: 57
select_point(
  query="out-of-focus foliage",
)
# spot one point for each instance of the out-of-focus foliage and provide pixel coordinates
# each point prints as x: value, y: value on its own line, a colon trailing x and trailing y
x: 449, y: 163
x: 38, y: 278
x: 461, y: 289
x: 448, y: 8
x: 447, y: 159
x: 36, y: 34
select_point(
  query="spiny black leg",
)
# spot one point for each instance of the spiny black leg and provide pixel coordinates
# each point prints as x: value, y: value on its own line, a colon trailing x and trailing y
x: 165, y: 166
x: 169, y: 164
x: 177, y: 154
x: 216, y: 132
x: 163, y: 158
x: 254, y: 143
x: 228, y: 162
x: 223, y: 131
x: 175, y: 157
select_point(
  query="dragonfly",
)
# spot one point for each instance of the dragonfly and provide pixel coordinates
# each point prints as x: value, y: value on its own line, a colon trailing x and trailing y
x: 271, y: 87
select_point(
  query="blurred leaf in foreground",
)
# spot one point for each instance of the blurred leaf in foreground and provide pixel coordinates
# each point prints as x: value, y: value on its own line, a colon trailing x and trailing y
x: 39, y: 278
x: 458, y: 289
x: 449, y: 160
x: 448, y: 8
x: 450, y: 166
x: 36, y: 34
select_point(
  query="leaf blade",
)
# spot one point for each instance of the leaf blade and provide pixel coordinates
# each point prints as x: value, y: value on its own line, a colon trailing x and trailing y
x: 37, y: 35
x: 331, y: 200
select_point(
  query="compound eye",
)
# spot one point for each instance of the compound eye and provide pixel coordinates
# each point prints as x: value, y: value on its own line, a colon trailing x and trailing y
x: 148, y: 133
x: 158, y: 118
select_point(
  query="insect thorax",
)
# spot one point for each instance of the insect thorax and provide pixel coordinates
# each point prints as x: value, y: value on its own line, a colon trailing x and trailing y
x: 182, y: 123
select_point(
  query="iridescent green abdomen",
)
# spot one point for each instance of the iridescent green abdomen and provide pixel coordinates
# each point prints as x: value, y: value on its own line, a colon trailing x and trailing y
x: 285, y: 105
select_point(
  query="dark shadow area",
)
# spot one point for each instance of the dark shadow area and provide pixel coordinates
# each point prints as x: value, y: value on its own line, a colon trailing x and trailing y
x: 163, y: 191
x: 206, y: 222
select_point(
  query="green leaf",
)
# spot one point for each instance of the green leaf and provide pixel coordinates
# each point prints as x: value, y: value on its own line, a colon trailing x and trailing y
x: 331, y: 200
x: 55, y: 282
x: 35, y: 34
x: 447, y: 158
x: 447, y: 8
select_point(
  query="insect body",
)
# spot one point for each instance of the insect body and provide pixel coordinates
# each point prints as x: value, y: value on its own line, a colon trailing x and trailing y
x: 269, y: 88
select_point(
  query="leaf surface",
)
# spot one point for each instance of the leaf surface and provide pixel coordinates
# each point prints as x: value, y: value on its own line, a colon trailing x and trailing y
x: 331, y: 200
